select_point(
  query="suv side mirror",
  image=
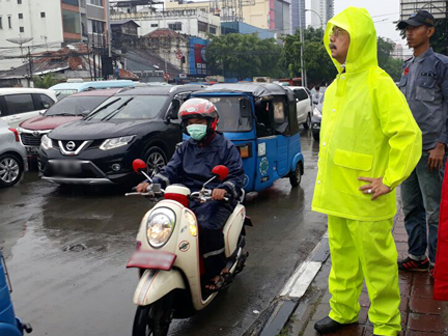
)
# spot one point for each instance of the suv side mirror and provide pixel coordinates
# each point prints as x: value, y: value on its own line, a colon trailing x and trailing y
x: 173, y: 110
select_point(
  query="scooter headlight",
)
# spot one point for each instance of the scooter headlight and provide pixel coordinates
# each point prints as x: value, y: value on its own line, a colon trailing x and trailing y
x: 159, y: 227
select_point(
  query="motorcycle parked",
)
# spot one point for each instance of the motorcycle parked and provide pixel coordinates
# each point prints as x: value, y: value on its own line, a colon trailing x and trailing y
x: 168, y: 257
x: 10, y: 325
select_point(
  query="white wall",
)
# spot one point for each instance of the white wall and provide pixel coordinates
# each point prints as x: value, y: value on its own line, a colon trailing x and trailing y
x: 45, y: 32
x: 188, y: 18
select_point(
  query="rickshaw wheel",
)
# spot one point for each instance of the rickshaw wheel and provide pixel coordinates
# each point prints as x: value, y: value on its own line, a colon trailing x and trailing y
x: 296, y: 176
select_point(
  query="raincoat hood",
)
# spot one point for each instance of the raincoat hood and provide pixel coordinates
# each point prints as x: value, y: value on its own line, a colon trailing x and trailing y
x: 362, y: 52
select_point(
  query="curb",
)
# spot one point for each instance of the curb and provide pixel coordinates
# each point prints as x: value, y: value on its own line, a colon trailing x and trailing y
x: 274, y: 318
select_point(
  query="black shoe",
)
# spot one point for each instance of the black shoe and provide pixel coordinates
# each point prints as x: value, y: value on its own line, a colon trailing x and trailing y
x: 412, y: 265
x: 327, y: 325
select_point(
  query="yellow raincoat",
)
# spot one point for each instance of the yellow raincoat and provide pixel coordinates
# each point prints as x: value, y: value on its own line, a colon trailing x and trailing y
x: 367, y: 131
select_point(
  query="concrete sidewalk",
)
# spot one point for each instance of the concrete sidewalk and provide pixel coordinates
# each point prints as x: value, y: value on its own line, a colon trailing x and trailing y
x: 421, y: 315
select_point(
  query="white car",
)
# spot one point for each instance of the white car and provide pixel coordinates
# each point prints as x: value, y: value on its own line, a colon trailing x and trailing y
x: 20, y: 104
x: 13, y: 160
x: 303, y: 102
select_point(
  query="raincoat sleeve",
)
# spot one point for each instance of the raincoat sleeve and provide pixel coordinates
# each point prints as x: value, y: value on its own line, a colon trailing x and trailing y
x: 171, y: 172
x: 400, y: 127
x: 234, y: 182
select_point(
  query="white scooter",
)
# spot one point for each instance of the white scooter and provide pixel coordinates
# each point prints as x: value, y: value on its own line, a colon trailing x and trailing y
x: 168, y: 257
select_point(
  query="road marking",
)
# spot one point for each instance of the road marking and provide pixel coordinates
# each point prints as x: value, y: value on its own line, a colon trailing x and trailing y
x: 302, y: 277
x: 297, y: 285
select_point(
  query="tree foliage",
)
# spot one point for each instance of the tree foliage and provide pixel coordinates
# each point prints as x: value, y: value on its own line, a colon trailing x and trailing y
x: 318, y: 64
x: 385, y: 60
x: 243, y: 56
x: 45, y: 81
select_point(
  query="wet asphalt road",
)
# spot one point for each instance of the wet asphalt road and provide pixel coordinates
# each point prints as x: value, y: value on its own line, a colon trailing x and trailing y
x: 66, y: 251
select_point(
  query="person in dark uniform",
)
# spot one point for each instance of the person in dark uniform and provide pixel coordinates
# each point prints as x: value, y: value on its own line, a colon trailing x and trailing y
x: 191, y: 165
x: 425, y: 84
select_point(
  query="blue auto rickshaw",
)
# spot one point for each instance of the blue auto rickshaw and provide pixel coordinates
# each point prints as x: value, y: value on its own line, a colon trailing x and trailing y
x: 261, y: 120
x: 10, y: 325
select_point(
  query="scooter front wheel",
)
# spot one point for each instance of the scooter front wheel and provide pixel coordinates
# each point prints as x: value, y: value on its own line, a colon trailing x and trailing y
x: 154, y: 319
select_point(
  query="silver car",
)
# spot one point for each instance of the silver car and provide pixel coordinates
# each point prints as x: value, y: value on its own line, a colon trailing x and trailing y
x: 13, y: 160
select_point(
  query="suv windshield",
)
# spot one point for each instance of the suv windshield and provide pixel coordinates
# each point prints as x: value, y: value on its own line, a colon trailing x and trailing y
x: 129, y: 107
x: 235, y: 113
x: 75, y: 106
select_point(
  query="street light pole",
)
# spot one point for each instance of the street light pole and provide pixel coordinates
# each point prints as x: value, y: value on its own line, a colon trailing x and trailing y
x: 318, y: 15
x: 302, y: 64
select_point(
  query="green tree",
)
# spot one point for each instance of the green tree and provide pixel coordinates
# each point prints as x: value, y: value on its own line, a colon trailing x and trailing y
x: 319, y: 66
x: 45, y: 81
x: 243, y: 56
x: 385, y: 60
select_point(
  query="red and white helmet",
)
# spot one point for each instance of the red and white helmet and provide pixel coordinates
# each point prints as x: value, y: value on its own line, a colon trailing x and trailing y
x: 199, y: 108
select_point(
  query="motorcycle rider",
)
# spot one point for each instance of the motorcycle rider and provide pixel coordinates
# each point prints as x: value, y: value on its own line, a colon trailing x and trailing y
x: 191, y: 165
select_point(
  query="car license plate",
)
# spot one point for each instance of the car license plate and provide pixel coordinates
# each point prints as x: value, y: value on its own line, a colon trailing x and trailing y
x: 151, y: 260
x: 31, y: 150
x: 68, y: 167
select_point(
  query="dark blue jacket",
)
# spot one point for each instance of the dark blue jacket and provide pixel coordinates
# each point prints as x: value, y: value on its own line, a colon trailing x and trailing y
x: 192, y: 164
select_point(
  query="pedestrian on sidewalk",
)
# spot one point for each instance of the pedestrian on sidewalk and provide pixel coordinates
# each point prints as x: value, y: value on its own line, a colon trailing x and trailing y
x: 425, y: 84
x: 370, y: 143
x: 441, y: 267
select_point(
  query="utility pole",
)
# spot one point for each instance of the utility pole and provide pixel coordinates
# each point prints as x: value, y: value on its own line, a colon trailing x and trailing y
x: 30, y: 65
x: 302, y: 63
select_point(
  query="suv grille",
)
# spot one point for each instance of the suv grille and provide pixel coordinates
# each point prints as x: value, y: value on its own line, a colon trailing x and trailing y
x: 31, y: 140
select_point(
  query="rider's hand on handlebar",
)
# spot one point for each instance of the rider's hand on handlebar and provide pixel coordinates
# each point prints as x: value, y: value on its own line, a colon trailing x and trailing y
x: 142, y: 187
x: 218, y: 194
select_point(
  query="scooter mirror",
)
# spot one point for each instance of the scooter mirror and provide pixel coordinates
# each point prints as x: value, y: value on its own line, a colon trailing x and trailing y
x: 221, y: 172
x: 138, y: 165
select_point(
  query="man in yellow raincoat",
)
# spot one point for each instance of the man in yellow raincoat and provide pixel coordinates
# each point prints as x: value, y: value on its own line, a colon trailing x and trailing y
x: 369, y: 144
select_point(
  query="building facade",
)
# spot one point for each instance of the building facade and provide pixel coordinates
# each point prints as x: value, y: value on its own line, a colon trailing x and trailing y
x: 274, y: 15
x: 321, y: 12
x: 297, y: 15
x: 190, y: 21
x: 50, y: 24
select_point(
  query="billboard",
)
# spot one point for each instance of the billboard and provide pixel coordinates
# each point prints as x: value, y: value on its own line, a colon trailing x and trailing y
x: 437, y: 8
x: 196, y: 59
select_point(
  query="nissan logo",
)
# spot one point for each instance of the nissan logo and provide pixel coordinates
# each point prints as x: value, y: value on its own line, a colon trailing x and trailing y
x: 70, y: 145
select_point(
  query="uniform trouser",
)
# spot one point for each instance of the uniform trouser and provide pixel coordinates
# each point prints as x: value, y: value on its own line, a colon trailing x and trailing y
x: 211, y: 217
x: 364, y: 250
x: 421, y: 194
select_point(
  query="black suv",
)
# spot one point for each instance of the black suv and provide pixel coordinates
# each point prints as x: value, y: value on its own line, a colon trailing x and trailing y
x: 99, y: 149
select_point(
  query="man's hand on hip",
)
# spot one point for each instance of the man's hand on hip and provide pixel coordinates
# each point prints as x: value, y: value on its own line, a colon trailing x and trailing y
x: 436, y: 156
x: 375, y: 187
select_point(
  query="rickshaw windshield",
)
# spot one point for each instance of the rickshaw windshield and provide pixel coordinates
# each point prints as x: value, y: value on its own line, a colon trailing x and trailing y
x: 235, y: 113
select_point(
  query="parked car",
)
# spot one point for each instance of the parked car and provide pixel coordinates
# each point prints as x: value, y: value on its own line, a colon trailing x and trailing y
x: 19, y: 104
x: 12, y: 156
x: 75, y: 107
x: 63, y: 90
x: 136, y: 123
x: 316, y: 121
x: 303, y: 102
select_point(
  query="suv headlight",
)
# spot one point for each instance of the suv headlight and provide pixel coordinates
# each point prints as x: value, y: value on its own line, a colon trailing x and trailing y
x: 317, y: 113
x: 46, y: 142
x: 116, y: 142
x: 159, y: 227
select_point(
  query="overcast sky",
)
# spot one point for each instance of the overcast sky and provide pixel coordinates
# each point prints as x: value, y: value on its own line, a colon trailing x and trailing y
x: 383, y: 12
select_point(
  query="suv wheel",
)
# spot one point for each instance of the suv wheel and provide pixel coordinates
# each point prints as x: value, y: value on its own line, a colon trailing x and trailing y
x: 307, y: 123
x: 155, y: 159
x: 11, y: 170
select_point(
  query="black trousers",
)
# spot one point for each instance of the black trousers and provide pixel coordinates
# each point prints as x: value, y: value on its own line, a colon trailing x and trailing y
x: 211, y: 217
